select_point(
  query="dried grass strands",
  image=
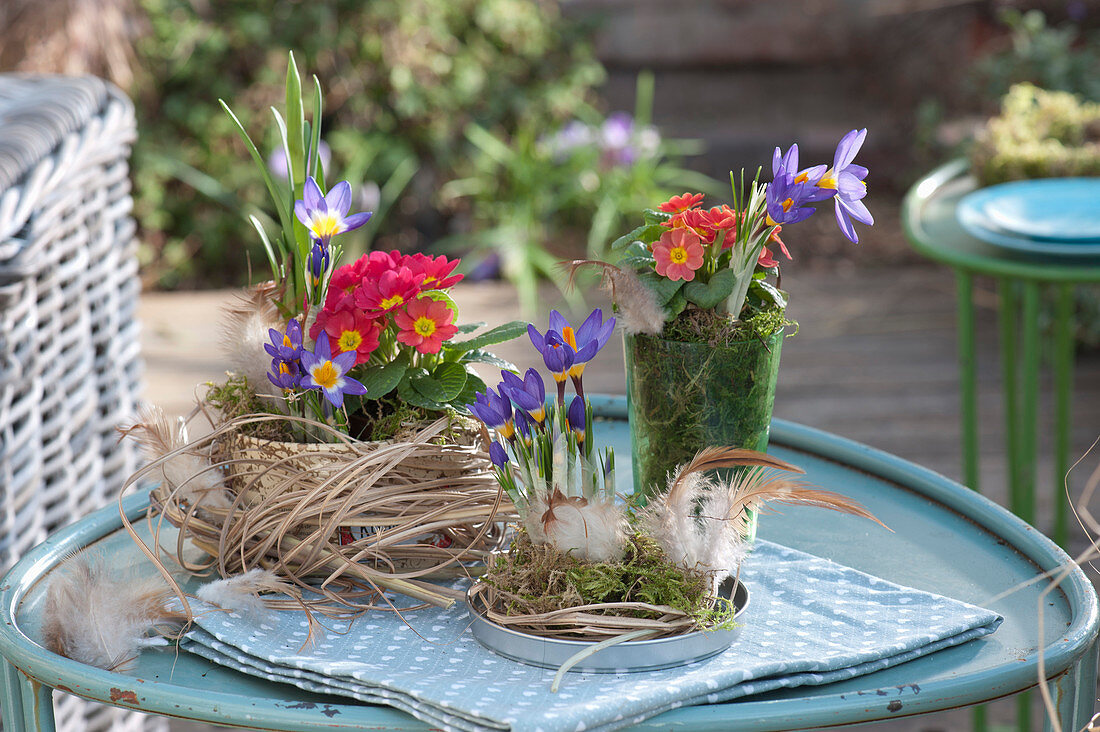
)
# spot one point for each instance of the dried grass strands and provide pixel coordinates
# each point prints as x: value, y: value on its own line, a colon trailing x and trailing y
x: 595, y: 622
x: 345, y: 519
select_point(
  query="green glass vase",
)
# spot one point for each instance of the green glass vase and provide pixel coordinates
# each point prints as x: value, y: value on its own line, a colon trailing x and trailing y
x: 683, y: 397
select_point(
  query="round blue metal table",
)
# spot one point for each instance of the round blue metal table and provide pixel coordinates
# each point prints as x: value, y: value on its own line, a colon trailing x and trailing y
x: 948, y: 540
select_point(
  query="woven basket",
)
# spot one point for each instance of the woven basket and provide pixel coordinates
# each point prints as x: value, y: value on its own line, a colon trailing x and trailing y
x: 69, y: 362
x: 354, y: 514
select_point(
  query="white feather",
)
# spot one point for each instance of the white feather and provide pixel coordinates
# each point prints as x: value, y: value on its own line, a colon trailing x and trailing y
x: 639, y: 311
x: 594, y: 531
x: 241, y: 593
x: 245, y: 331
x: 102, y: 618
x: 191, y: 473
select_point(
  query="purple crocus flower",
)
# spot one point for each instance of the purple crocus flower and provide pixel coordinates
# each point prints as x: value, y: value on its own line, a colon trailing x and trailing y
x: 285, y: 346
x: 528, y: 393
x: 791, y: 188
x: 318, y: 261
x: 495, y: 411
x: 329, y: 374
x: 575, y: 416
x: 327, y: 216
x: 847, y: 179
x: 523, y: 424
x: 498, y: 455
x: 285, y: 374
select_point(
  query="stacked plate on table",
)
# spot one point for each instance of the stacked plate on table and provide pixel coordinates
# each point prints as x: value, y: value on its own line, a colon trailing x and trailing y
x: 1048, y: 216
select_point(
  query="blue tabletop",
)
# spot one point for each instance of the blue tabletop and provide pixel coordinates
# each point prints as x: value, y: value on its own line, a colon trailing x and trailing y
x: 948, y: 540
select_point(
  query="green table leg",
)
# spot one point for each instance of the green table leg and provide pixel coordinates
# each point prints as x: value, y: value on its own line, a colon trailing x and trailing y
x: 968, y: 396
x: 1074, y: 694
x: 1007, y: 322
x: 1063, y: 391
x: 11, y: 696
x: 37, y: 705
x: 1029, y: 408
x: 968, y: 376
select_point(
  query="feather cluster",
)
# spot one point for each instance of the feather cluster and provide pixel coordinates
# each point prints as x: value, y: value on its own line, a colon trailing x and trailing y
x: 246, y: 322
x: 102, y: 618
x: 701, y: 523
x: 191, y: 474
x: 241, y: 593
x: 592, y: 529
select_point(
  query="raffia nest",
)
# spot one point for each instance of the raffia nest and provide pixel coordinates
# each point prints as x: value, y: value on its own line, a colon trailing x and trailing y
x: 343, y: 521
x: 594, y: 622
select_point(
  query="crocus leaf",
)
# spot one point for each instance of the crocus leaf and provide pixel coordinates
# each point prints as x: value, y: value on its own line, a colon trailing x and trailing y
x: 450, y: 376
x: 480, y: 356
x: 381, y: 380
x: 499, y: 334
x: 647, y: 233
x: 664, y: 288
x: 708, y: 294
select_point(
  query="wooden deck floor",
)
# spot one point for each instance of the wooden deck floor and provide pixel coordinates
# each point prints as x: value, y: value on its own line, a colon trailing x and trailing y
x: 874, y: 361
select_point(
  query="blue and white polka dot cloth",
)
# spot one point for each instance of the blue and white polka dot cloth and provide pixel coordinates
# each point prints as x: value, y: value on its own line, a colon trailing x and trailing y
x: 810, y: 621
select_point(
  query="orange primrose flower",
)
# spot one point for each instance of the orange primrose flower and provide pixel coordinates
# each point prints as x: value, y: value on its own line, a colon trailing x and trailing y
x: 678, y: 254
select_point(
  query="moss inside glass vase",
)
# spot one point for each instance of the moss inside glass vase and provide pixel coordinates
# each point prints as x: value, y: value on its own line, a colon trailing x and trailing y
x: 708, y: 380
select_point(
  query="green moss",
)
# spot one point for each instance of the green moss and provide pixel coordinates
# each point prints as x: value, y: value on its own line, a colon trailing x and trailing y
x: 718, y: 329
x: 539, y: 579
x: 236, y: 398
x: 385, y: 418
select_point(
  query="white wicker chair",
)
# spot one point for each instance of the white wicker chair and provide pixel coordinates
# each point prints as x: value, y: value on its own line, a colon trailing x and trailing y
x: 70, y: 366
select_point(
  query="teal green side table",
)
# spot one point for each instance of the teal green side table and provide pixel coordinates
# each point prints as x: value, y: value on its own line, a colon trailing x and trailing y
x: 947, y: 539
x: 928, y: 216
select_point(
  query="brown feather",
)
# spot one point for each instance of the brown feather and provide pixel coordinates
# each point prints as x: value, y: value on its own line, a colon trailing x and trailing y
x: 712, y: 458
x: 759, y: 487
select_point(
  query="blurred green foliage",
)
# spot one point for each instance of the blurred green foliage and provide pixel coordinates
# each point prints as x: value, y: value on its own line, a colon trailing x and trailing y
x: 1039, y: 134
x: 1055, y: 58
x: 546, y: 194
x: 403, y: 80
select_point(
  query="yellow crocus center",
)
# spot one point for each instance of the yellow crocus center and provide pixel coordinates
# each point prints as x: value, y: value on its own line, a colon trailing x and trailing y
x: 677, y: 255
x: 787, y: 204
x: 283, y: 368
x: 349, y: 340
x: 325, y: 375
x: 507, y: 430
x: 326, y: 225
x: 828, y: 180
x: 392, y: 302
x: 569, y: 336
x: 801, y: 177
x: 424, y: 326
x: 538, y: 415
x: 286, y: 342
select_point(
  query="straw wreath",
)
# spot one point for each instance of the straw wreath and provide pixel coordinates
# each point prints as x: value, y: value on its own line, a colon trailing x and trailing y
x: 426, y: 501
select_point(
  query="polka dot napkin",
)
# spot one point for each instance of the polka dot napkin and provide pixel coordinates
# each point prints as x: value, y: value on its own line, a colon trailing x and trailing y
x: 810, y: 621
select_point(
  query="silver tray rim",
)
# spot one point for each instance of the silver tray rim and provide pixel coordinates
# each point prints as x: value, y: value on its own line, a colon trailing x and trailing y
x: 624, y: 657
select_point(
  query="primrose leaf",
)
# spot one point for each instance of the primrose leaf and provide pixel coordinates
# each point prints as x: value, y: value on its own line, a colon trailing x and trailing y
x: 647, y: 234
x: 381, y: 380
x: 451, y: 377
x: 413, y: 394
x: 655, y: 217
x: 480, y: 356
x: 501, y: 333
x: 708, y: 294
x: 664, y: 288
x: 474, y: 384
